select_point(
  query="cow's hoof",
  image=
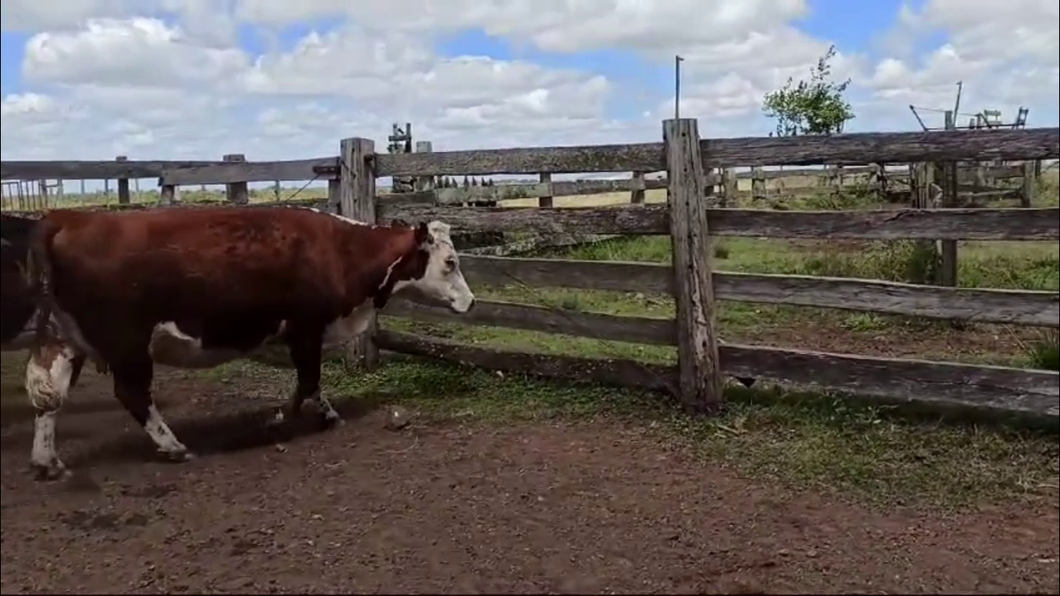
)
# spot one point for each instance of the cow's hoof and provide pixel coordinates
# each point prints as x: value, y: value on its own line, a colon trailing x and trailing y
x: 279, y: 417
x: 50, y: 472
x: 177, y: 457
x: 330, y: 419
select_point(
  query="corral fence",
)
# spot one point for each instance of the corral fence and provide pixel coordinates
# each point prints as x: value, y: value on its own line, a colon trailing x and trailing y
x: 692, y: 224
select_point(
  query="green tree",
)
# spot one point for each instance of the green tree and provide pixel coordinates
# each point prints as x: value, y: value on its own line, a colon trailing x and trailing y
x: 814, y: 107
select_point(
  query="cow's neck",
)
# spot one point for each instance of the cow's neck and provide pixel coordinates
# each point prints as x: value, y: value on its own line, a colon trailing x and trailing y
x: 375, y: 281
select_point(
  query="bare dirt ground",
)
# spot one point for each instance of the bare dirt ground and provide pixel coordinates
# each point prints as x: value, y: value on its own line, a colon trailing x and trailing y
x: 598, y: 507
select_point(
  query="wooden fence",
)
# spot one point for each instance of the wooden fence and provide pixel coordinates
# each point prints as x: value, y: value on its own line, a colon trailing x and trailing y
x: 703, y: 360
x: 978, y: 183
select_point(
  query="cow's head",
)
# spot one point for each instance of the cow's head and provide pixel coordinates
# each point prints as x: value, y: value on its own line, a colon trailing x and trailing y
x: 433, y: 269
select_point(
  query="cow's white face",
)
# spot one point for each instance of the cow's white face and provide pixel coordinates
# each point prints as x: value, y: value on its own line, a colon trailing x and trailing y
x: 442, y: 279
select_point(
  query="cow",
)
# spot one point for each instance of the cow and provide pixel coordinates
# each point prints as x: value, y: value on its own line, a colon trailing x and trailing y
x: 195, y: 288
x: 55, y: 366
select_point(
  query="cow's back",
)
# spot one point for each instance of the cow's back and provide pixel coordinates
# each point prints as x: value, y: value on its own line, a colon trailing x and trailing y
x: 174, y: 264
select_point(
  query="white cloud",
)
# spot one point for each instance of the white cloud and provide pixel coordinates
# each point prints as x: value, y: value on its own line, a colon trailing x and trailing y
x: 1006, y: 56
x: 138, y: 52
x: 167, y: 78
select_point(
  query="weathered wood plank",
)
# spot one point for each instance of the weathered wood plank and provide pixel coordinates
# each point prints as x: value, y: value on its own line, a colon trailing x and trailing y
x: 320, y: 204
x: 996, y: 172
x: 965, y: 385
x: 586, y: 275
x: 891, y: 224
x: 171, y: 172
x: 618, y: 372
x: 653, y: 219
x: 846, y: 149
x: 491, y: 313
x: 90, y: 170
x: 357, y: 201
x: 874, y: 147
x: 505, y: 192
x: 697, y: 346
x: 1030, y: 184
x: 624, y: 219
x: 895, y: 380
x: 236, y: 192
x: 554, y: 160
x: 124, y: 198
x: 250, y: 171
x: 1015, y: 307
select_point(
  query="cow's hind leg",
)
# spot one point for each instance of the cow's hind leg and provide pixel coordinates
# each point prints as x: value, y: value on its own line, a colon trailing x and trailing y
x: 306, y: 350
x: 132, y: 387
x: 51, y: 369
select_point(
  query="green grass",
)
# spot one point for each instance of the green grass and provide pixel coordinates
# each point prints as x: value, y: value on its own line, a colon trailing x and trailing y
x: 1019, y: 265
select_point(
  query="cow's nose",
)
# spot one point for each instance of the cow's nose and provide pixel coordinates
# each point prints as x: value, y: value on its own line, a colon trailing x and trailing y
x: 471, y: 305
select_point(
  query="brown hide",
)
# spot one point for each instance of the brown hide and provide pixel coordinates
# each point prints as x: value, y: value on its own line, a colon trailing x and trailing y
x: 227, y: 275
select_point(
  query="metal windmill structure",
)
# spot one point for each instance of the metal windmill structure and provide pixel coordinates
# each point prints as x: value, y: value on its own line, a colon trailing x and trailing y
x: 985, y: 119
x: 400, y: 141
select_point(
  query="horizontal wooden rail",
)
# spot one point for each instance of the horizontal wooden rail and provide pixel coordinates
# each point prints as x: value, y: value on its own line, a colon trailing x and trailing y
x: 995, y: 172
x: 949, y: 384
x: 171, y: 172
x: 648, y: 278
x: 504, y: 192
x: 91, y: 170
x: 859, y: 148
x: 883, y: 224
x: 320, y: 204
x: 547, y: 320
x: 1013, y: 307
x: 620, y: 372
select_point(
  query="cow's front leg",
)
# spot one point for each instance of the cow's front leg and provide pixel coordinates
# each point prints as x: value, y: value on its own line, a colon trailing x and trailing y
x: 306, y: 350
x: 51, y: 370
x: 132, y: 387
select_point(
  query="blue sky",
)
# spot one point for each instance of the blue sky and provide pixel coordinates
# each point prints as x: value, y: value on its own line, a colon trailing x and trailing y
x: 640, y: 87
x: 853, y: 26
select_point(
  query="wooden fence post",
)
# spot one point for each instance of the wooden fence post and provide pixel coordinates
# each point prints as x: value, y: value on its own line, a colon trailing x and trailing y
x: 729, y: 186
x: 921, y: 183
x: 236, y: 192
x: 636, y: 197
x: 545, y: 178
x: 357, y: 201
x: 878, y: 181
x: 123, y: 185
x: 948, y: 184
x: 424, y: 182
x: 758, y: 183
x: 335, y: 195
x: 1030, y: 184
x: 167, y: 195
x: 700, y: 371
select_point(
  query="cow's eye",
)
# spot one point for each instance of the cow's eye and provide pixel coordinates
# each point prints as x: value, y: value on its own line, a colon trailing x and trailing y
x: 450, y: 264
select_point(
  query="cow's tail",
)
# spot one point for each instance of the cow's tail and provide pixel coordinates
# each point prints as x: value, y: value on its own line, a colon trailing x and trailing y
x: 39, y: 273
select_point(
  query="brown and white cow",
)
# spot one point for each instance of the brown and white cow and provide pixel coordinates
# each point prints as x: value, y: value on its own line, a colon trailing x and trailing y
x: 55, y: 365
x: 194, y: 288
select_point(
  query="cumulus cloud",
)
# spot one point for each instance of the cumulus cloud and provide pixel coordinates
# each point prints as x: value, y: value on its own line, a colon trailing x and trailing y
x: 169, y: 79
x: 1006, y: 58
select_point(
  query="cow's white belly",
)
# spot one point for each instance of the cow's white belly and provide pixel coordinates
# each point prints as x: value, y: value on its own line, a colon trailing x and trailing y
x: 172, y: 347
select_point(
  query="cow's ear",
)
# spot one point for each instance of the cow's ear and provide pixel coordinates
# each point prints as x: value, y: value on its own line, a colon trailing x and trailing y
x: 423, y: 235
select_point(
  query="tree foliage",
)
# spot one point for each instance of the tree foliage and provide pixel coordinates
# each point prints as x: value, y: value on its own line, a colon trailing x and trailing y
x: 814, y: 107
